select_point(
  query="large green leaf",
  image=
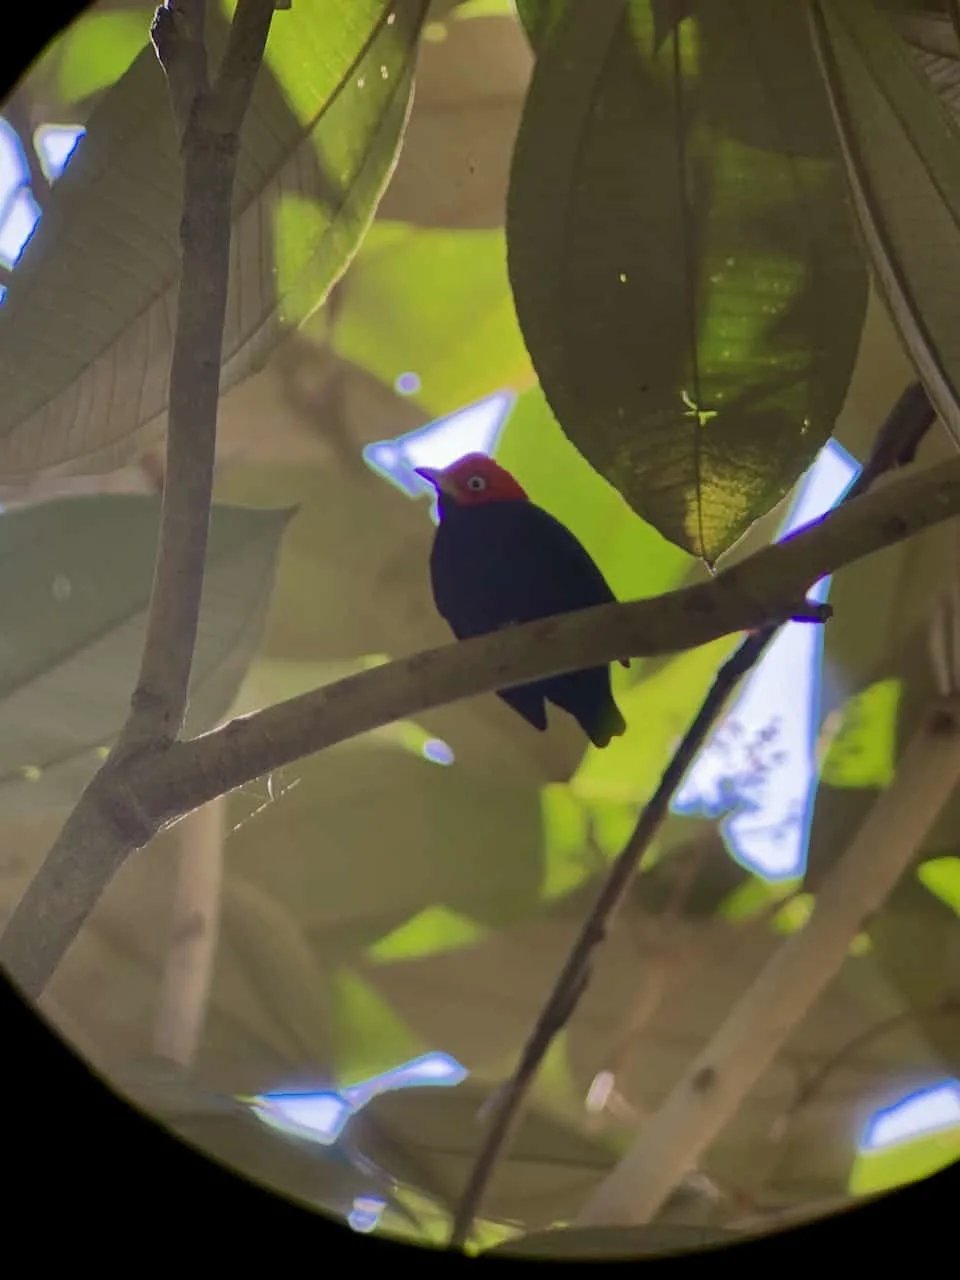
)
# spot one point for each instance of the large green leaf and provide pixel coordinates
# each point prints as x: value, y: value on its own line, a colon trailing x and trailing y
x: 684, y: 268
x: 76, y: 578
x: 86, y: 330
x: 903, y: 156
x: 635, y: 559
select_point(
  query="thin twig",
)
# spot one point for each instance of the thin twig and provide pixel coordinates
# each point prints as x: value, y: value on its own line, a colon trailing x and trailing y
x: 896, y: 443
x: 782, y: 994
x: 209, y: 122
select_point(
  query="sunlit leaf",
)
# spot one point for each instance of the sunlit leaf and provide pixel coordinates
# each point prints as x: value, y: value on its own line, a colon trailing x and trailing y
x: 909, y: 1161
x: 484, y: 9
x: 436, y: 303
x: 76, y: 576
x: 684, y: 267
x: 863, y: 754
x: 942, y: 877
x: 565, y: 834
x: 435, y: 929
x: 749, y: 899
x: 539, y: 17
x: 370, y: 1037
x: 903, y: 156
x: 97, y: 50
x: 793, y: 915
x: 86, y: 328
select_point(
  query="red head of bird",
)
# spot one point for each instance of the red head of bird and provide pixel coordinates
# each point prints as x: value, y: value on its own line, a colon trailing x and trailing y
x: 474, y: 480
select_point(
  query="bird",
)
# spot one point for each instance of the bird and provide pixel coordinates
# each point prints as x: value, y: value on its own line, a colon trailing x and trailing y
x: 499, y: 560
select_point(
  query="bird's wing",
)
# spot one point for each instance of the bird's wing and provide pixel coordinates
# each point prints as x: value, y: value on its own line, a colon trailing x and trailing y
x: 510, y: 563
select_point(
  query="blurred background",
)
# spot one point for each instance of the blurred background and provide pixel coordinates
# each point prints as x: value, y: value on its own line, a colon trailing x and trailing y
x: 321, y: 978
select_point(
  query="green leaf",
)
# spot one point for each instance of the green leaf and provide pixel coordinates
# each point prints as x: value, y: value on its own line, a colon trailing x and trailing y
x: 433, y: 930
x: 875, y: 1171
x: 76, y: 576
x: 86, y: 329
x: 684, y: 267
x: 635, y: 558
x: 369, y: 1037
x: 97, y: 50
x: 437, y: 303
x: 864, y: 751
x: 565, y: 835
x: 942, y: 877
x: 903, y: 158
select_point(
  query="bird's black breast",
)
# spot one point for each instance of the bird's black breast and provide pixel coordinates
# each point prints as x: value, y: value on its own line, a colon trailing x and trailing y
x: 509, y: 562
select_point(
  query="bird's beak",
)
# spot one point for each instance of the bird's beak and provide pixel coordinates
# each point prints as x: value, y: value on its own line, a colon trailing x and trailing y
x: 434, y: 477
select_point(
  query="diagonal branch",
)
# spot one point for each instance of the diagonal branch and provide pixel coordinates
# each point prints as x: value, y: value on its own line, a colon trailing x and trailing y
x: 712, y: 1087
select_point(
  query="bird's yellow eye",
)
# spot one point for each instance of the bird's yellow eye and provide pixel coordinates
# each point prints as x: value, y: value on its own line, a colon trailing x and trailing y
x: 477, y: 484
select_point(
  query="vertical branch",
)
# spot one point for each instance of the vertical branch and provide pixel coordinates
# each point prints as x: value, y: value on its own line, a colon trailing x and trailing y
x: 110, y: 820
x: 209, y: 121
x: 713, y: 1086
x: 185, y: 986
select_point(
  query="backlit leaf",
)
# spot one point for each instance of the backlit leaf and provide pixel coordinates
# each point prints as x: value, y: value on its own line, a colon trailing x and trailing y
x: 434, y: 302
x: 863, y: 754
x: 86, y: 329
x: 684, y: 267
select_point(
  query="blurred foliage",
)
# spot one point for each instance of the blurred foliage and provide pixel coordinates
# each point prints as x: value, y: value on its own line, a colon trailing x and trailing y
x: 376, y: 903
x: 455, y: 327
x: 863, y: 752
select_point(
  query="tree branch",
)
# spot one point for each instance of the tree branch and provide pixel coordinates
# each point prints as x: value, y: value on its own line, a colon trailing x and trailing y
x: 713, y: 1086
x: 159, y: 787
x: 209, y: 123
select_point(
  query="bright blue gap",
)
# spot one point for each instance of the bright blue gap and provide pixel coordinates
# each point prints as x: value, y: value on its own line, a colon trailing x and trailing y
x: 321, y: 1115
x: 474, y: 429
x: 55, y: 144
x: 759, y: 768
x: 366, y: 1213
x: 19, y: 211
x: 438, y: 752
x: 925, y: 1111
